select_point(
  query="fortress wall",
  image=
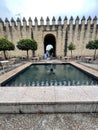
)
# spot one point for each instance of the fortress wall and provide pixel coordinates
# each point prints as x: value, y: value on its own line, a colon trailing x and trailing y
x: 59, y: 44
x: 79, y: 33
x: 38, y: 36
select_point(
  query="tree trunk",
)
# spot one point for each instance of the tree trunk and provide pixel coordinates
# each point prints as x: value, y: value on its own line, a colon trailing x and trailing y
x: 5, y: 54
x: 33, y: 53
x: 27, y: 54
x: 71, y: 54
x: 95, y: 54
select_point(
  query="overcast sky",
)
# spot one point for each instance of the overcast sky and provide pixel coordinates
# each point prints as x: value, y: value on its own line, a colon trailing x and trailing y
x: 44, y: 8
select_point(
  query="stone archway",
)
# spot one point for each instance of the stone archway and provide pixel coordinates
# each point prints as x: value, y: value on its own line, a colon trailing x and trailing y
x: 49, y: 39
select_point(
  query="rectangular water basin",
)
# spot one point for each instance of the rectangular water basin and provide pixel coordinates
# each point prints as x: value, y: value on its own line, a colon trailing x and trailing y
x: 51, y: 75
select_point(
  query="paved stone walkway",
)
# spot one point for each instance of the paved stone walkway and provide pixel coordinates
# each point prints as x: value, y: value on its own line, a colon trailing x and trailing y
x: 51, y: 94
x: 11, y: 73
x: 93, y: 65
x: 86, y: 68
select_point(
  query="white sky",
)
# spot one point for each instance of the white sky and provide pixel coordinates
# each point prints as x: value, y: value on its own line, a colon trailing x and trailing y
x: 48, y: 47
x: 44, y: 8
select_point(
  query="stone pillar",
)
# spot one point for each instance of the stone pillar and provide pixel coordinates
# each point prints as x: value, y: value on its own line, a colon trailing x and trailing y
x: 1, y: 33
x: 59, y: 45
x: 48, y: 23
x: 13, y: 24
x: 88, y: 30
x: 53, y: 23
x: 70, y: 33
x: 82, y: 33
x: 14, y: 33
x: 30, y: 34
x: 7, y: 26
x: 82, y: 36
x: 76, y: 33
x: 65, y: 38
x: 19, y: 35
x: 36, y: 24
x: 30, y: 22
x: 76, y: 37
x: 18, y: 23
x: 24, y: 32
x: 38, y: 36
x: 1, y: 28
x: 42, y: 23
x: 59, y: 23
x: 94, y: 35
x: 65, y: 23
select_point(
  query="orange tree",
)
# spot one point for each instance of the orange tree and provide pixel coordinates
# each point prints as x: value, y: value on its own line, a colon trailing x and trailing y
x: 93, y: 45
x: 6, y: 45
x: 71, y: 47
x: 34, y: 48
x: 26, y: 45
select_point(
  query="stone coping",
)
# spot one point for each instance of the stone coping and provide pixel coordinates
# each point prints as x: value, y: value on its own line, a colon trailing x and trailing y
x: 13, y: 72
x: 52, y: 94
x: 86, y: 69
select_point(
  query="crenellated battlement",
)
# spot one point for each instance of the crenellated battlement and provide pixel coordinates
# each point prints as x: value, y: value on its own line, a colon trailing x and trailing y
x: 53, y: 21
x: 48, y: 25
x: 58, y: 32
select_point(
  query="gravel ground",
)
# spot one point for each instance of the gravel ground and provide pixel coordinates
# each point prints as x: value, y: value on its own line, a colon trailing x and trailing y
x: 67, y: 121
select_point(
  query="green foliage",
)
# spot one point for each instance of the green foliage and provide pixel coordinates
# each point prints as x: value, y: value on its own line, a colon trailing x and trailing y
x: 96, y: 44
x: 51, y: 51
x: 90, y: 45
x: 6, y: 45
x: 71, y: 46
x: 27, y: 44
x: 93, y: 45
x: 34, y: 45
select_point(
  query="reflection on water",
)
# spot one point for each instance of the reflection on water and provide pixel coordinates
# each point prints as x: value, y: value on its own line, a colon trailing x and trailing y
x: 52, y: 75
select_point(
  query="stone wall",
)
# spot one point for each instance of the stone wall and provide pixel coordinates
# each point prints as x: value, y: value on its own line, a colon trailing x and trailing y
x: 65, y: 32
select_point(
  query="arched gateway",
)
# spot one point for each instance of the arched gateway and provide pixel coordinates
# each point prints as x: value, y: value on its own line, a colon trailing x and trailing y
x: 49, y: 39
x: 58, y: 33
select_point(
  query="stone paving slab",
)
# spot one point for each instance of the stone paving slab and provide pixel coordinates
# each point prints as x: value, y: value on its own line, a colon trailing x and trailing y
x: 13, y: 72
x: 92, y: 65
x: 89, y: 70
x: 49, y: 94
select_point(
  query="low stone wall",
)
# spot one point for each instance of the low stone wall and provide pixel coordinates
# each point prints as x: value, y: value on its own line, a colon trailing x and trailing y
x: 67, y: 107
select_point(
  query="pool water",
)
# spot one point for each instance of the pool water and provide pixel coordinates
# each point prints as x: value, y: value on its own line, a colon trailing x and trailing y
x: 51, y: 75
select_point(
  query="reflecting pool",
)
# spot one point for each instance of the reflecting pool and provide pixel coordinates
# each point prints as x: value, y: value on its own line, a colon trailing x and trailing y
x: 51, y: 75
